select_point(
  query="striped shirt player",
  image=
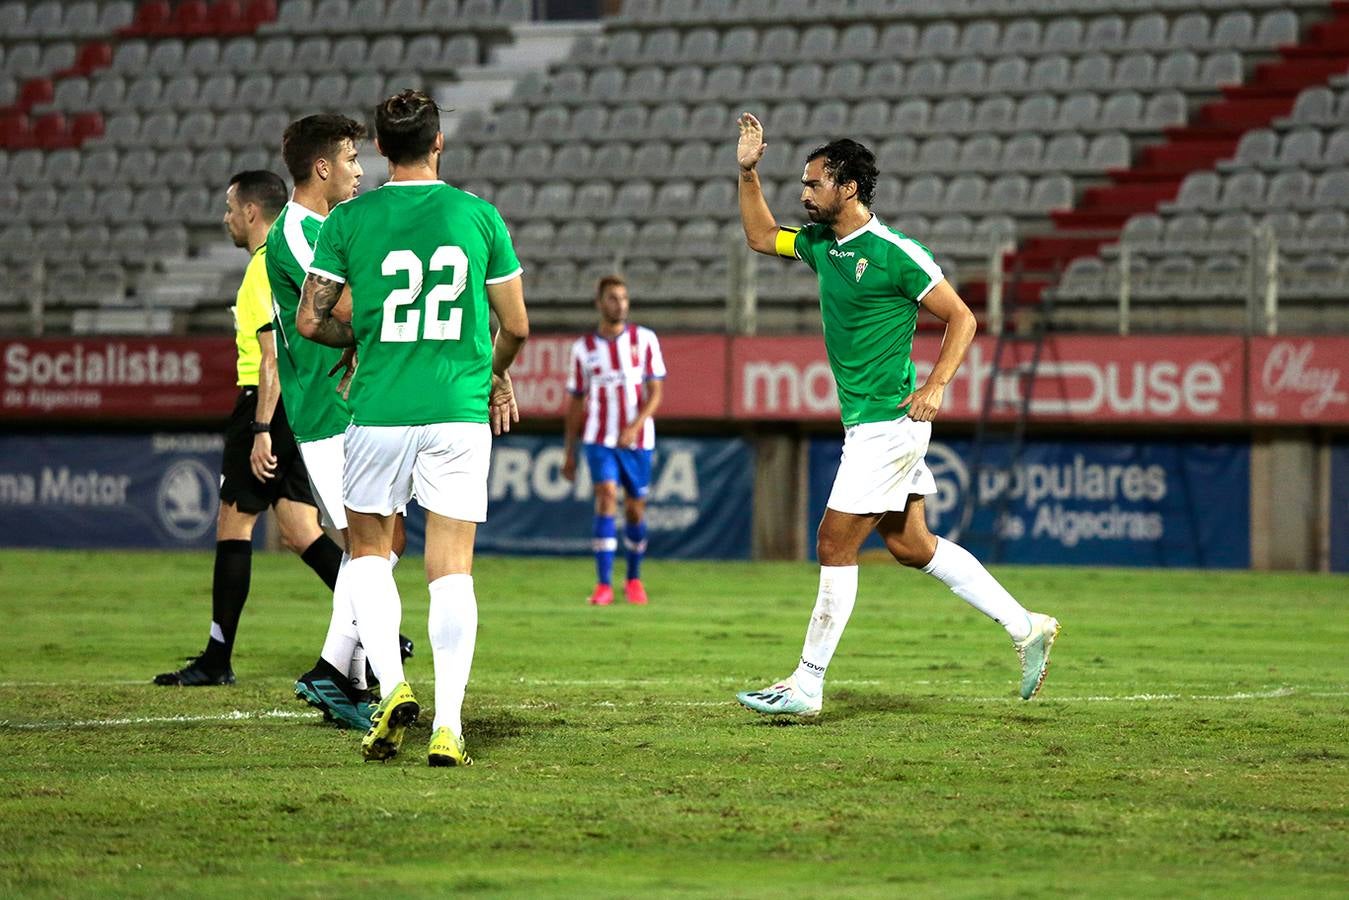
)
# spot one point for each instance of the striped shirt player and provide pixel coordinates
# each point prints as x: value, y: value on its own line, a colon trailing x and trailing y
x: 872, y: 280
x: 616, y: 379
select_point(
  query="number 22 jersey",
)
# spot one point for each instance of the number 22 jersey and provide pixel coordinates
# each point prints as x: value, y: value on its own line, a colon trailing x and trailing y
x: 418, y: 256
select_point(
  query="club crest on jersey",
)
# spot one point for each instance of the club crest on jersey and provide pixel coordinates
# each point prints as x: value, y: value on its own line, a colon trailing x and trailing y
x: 861, y: 267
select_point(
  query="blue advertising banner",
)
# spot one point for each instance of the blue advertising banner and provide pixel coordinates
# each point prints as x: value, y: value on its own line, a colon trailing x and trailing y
x: 699, y: 507
x: 1143, y: 503
x: 1339, y: 508
x: 147, y: 490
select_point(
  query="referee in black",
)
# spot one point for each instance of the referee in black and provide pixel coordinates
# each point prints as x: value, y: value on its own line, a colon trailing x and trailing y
x: 253, y: 200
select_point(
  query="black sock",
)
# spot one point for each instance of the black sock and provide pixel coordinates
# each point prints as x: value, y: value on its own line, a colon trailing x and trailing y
x: 325, y: 558
x: 229, y: 590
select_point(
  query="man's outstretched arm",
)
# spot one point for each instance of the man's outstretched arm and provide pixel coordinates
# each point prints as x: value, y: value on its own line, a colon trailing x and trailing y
x: 314, y: 317
x: 761, y: 229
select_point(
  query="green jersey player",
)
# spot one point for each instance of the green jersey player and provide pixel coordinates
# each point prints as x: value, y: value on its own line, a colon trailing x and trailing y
x: 320, y: 152
x: 872, y: 281
x: 426, y: 265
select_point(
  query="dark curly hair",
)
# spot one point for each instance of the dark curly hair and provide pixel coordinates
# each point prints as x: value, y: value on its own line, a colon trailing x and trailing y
x: 406, y: 125
x: 846, y: 160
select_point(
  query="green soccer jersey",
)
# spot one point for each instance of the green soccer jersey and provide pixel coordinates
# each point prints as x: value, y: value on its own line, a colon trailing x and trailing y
x: 871, y: 284
x: 315, y: 409
x: 418, y: 256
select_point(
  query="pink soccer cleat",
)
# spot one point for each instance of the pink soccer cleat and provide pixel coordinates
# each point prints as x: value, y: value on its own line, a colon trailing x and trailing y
x: 603, y: 595
x: 636, y: 593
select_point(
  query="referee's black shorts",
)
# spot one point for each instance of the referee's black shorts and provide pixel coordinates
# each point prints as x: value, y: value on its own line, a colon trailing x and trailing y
x: 237, y: 484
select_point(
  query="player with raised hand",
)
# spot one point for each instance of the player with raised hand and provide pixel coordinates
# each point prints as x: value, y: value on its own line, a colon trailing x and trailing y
x: 427, y: 264
x: 872, y: 281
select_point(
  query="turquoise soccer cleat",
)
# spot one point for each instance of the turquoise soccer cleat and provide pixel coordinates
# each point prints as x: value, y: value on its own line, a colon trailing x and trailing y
x: 1034, y: 652
x: 781, y: 699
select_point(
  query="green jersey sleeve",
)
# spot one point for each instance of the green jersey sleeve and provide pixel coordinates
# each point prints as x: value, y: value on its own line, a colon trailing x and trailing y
x: 330, y: 253
x: 914, y: 270
x: 502, y: 263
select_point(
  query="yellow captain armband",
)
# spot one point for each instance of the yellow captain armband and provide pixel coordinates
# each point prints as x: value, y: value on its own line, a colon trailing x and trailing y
x: 785, y: 243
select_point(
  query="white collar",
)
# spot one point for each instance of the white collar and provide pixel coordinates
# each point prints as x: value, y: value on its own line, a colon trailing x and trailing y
x: 423, y: 183
x: 305, y: 210
x: 866, y: 226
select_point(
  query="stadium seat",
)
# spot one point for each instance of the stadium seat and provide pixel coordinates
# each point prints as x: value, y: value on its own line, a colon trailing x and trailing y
x: 1288, y: 190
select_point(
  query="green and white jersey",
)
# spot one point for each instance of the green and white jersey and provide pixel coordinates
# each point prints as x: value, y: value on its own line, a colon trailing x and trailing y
x: 871, y: 284
x: 315, y: 409
x: 418, y: 256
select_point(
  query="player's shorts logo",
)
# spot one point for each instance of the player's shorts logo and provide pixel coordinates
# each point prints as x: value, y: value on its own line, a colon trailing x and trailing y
x: 953, y: 479
x: 186, y: 500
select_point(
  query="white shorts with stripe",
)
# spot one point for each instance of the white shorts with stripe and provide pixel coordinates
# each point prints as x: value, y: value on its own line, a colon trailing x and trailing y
x: 324, y: 460
x: 882, y: 465
x: 444, y: 465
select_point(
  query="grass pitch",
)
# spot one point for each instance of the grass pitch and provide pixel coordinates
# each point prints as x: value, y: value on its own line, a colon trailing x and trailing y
x: 1191, y: 739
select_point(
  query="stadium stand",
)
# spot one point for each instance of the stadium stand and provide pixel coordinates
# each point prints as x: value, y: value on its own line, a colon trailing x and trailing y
x: 1065, y: 129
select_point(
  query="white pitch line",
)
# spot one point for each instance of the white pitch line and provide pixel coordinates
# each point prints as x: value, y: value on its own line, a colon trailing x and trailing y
x: 274, y: 714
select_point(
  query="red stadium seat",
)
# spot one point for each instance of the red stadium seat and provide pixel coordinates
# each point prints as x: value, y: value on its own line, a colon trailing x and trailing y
x: 152, y: 17
x: 260, y: 11
x: 93, y: 55
x: 35, y: 91
x: 50, y: 132
x: 15, y: 132
x: 227, y: 17
x: 86, y: 126
x: 191, y: 18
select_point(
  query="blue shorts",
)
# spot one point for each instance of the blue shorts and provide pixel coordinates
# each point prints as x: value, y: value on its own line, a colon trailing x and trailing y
x: 623, y: 464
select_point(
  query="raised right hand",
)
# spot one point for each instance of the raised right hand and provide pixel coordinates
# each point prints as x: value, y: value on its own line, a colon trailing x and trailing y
x: 751, y: 147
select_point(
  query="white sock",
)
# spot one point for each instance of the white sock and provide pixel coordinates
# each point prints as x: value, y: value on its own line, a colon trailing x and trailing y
x: 833, y: 606
x: 453, y: 624
x: 356, y: 671
x: 379, y: 612
x: 341, y: 639
x: 955, y: 567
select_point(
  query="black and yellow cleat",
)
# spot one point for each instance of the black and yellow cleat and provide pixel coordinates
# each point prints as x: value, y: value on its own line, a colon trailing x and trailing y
x: 389, y: 724
x: 447, y: 750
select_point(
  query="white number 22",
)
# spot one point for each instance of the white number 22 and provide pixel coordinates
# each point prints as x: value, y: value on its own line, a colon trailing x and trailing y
x: 433, y: 326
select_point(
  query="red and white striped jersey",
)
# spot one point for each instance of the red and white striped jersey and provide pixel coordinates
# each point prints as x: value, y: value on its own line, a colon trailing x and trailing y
x: 611, y: 373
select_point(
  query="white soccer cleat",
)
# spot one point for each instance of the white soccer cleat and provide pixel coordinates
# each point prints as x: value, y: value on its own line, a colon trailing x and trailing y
x: 781, y: 699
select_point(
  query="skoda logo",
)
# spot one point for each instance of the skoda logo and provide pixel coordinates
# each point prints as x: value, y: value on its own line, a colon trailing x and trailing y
x: 953, y: 479
x: 186, y: 500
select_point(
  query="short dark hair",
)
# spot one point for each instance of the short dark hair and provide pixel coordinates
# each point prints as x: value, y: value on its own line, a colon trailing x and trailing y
x: 406, y: 126
x: 316, y: 137
x: 266, y: 189
x: 846, y: 160
x: 607, y: 282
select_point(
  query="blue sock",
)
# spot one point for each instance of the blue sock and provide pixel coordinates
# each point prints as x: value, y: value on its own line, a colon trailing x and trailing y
x: 634, y: 539
x: 606, y: 544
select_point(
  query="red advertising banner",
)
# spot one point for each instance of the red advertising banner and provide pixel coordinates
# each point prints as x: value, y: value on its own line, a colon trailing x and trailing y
x: 117, y: 378
x: 1085, y: 379
x: 1080, y: 379
x: 1300, y: 379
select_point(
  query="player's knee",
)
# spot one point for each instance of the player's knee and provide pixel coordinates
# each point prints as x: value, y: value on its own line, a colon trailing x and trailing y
x: 832, y: 552
x: 909, y: 551
x: 606, y: 497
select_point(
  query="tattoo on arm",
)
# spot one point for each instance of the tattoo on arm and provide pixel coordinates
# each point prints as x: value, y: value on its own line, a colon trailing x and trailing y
x: 316, y: 312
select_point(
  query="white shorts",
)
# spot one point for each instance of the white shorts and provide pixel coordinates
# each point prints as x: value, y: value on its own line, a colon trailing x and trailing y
x: 443, y: 465
x: 324, y: 462
x: 882, y: 466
